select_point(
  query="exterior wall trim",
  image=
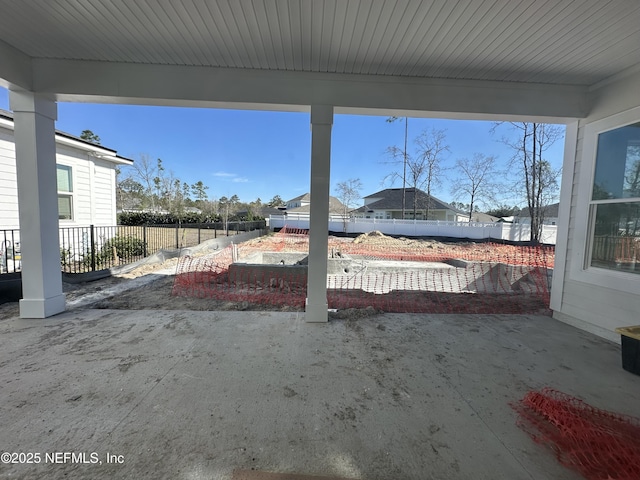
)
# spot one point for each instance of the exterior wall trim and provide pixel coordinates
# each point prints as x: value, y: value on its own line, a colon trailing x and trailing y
x: 579, y: 271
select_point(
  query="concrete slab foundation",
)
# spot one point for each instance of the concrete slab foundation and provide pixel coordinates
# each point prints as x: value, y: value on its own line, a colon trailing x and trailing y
x: 197, y: 395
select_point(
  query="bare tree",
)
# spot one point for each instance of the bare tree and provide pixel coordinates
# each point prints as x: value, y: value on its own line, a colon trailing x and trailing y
x: 145, y: 173
x: 632, y: 172
x: 537, y: 178
x: 227, y: 208
x: 425, y: 169
x: 476, y: 179
x: 348, y: 192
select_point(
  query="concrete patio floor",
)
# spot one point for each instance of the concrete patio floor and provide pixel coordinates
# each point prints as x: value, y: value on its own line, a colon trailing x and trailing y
x: 197, y: 395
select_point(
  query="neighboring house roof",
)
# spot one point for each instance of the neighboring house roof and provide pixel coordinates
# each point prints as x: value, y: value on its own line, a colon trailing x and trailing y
x: 266, y: 211
x: 304, y: 197
x: 263, y: 211
x: 335, y: 205
x: 391, y: 199
x: 99, y: 151
x: 482, y: 217
x: 550, y: 211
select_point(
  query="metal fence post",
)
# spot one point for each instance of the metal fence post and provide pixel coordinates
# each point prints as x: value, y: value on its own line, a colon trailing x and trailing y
x: 93, y: 248
x: 177, y: 236
x: 144, y: 240
x: 199, y: 226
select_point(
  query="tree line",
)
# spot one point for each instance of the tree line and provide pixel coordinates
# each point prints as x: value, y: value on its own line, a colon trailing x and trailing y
x: 148, y: 187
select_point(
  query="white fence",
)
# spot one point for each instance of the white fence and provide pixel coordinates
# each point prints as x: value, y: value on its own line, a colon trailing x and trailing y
x: 517, y: 232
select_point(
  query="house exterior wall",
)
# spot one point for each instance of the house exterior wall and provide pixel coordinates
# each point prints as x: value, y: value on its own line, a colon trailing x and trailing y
x: 441, y: 215
x: 93, y: 181
x: 8, y: 182
x: 297, y: 204
x: 594, y: 299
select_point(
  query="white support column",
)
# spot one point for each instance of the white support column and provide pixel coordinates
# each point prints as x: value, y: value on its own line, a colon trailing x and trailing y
x: 34, y: 121
x: 321, y: 122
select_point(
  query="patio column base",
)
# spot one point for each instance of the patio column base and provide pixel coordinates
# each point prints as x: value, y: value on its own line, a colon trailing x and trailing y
x: 316, y: 313
x: 42, y: 308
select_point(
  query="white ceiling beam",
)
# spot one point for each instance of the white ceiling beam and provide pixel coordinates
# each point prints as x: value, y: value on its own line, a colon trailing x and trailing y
x: 72, y: 80
x: 15, y: 68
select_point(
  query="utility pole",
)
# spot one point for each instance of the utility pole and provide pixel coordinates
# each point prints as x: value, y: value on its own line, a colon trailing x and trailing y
x: 404, y: 167
x: 404, y: 156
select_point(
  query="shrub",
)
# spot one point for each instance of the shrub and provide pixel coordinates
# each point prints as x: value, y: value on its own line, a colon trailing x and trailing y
x: 126, y: 246
x: 65, y: 257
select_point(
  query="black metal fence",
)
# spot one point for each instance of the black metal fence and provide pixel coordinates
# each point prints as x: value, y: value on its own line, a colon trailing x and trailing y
x: 87, y: 249
x: 10, y: 258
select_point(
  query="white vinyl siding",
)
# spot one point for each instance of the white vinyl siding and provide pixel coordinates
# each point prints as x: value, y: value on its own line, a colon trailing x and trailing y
x: 104, y: 193
x: 8, y: 182
x: 92, y: 182
x: 610, y: 301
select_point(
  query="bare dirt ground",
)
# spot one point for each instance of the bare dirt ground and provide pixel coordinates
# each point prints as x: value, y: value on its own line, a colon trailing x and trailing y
x: 154, y: 291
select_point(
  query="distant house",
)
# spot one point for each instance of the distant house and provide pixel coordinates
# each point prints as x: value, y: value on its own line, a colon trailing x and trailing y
x: 550, y: 215
x: 86, y: 176
x: 480, y: 217
x: 302, y: 205
x: 387, y: 204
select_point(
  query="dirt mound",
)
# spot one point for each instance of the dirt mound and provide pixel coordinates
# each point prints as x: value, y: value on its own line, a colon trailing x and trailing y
x: 365, y: 237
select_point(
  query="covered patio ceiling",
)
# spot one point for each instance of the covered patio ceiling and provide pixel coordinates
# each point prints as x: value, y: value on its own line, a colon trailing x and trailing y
x: 410, y: 54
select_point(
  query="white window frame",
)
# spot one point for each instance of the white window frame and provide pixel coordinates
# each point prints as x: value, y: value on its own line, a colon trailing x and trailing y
x: 581, y: 270
x: 70, y: 194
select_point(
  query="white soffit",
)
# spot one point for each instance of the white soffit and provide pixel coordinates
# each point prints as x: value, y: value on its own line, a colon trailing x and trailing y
x: 534, y: 41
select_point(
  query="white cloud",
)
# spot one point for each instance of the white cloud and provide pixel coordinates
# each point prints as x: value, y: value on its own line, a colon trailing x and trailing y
x: 230, y: 177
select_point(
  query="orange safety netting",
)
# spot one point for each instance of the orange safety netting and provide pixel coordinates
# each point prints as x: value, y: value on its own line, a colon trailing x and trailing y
x: 422, y: 277
x: 600, y: 445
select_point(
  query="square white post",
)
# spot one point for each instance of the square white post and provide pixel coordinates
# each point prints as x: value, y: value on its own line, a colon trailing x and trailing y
x: 34, y: 127
x: 321, y: 123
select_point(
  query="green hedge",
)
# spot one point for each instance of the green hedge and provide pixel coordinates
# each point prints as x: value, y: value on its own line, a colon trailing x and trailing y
x: 150, y: 218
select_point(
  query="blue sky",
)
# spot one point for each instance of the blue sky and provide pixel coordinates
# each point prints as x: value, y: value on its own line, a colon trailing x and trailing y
x: 260, y: 154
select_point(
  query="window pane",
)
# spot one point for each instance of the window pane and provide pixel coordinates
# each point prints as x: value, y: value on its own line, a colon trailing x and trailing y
x: 64, y: 178
x: 618, y: 164
x: 616, y: 240
x: 64, y: 207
